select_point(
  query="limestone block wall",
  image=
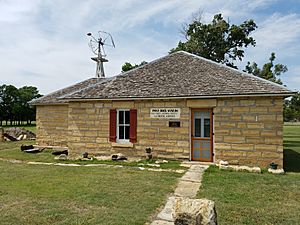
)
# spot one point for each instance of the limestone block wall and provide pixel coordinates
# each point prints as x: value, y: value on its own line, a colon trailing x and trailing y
x: 52, y: 125
x: 89, y: 129
x: 249, y: 131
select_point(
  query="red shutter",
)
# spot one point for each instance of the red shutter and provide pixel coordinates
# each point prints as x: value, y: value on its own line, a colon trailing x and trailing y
x: 133, y: 125
x: 113, y: 125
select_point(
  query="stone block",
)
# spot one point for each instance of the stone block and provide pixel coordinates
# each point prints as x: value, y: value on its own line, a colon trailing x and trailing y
x: 201, y: 103
x: 247, y: 102
x: 271, y: 154
x: 222, y: 146
x: 259, y: 110
x: 242, y: 147
x: 235, y: 132
x: 228, y: 125
x: 254, y: 133
x: 255, y: 125
x: 267, y: 118
x: 249, y: 118
x: 271, y: 140
x: 158, y: 104
x: 234, y: 139
x: 240, y: 110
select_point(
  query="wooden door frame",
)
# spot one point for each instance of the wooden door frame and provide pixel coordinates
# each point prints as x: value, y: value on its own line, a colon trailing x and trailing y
x: 210, y: 110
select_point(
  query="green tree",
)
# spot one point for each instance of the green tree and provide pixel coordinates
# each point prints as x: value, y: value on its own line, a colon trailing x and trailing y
x: 26, y: 94
x: 128, y: 66
x: 291, y: 110
x: 14, y: 103
x: 218, y: 40
x: 269, y: 71
x: 9, y: 98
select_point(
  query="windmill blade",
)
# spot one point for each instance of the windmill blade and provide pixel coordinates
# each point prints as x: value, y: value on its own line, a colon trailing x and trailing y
x: 107, y: 36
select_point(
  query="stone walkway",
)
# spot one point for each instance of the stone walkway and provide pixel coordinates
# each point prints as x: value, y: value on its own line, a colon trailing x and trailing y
x: 187, y: 187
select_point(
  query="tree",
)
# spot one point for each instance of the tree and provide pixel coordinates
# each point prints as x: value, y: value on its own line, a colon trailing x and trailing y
x: 218, y: 40
x: 291, y: 110
x: 26, y: 94
x: 9, y: 99
x: 269, y: 71
x: 14, y: 103
x: 128, y: 66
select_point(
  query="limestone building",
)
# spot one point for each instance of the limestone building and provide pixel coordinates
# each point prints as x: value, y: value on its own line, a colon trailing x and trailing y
x: 181, y: 105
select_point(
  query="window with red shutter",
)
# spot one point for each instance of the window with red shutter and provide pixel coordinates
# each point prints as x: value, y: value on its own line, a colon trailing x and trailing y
x: 133, y: 125
x: 123, y: 125
x: 113, y: 125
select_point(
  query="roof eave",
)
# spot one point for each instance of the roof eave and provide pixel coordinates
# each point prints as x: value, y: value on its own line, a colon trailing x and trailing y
x: 183, y: 97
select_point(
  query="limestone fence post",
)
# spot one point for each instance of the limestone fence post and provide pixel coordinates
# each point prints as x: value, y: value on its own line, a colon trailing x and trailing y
x: 1, y: 134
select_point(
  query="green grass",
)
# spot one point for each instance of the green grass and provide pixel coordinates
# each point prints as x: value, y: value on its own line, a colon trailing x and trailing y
x: 291, y: 144
x: 248, y: 198
x: 35, y: 194
x: 11, y: 150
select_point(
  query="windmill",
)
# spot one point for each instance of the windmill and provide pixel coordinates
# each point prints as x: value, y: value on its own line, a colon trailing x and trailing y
x: 97, y: 47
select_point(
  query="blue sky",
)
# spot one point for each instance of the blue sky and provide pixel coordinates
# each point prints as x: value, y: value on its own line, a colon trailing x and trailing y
x: 43, y: 43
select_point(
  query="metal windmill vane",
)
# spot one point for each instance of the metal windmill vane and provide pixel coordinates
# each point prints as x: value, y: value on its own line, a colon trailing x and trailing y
x: 97, y: 47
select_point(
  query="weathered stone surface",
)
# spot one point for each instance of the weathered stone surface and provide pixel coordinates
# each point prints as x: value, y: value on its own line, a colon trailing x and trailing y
x: 52, y: 125
x: 153, y: 165
x: 247, y: 130
x: 277, y: 171
x: 118, y: 156
x: 1, y: 134
x: 59, y: 152
x: 223, y: 163
x: 161, y: 161
x: 241, y: 168
x: 195, y: 212
x: 61, y: 157
x: 19, y: 133
x: 169, y: 210
x: 187, y: 189
x: 161, y: 222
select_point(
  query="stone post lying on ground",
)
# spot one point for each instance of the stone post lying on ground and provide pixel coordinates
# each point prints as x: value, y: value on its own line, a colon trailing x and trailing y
x: 1, y: 134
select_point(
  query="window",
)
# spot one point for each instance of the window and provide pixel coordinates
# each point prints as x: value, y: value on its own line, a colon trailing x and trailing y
x: 123, y: 125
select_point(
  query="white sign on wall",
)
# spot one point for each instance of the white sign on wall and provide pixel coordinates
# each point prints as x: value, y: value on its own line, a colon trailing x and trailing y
x: 170, y: 113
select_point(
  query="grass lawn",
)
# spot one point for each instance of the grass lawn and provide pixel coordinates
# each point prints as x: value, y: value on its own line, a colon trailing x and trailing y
x: 291, y: 144
x: 247, y: 198
x: 35, y: 194
x: 11, y: 150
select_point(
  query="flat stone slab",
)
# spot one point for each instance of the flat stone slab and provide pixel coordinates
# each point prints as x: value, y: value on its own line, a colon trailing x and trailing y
x: 39, y: 163
x: 193, y: 176
x: 65, y: 164
x: 199, y: 168
x: 168, y: 210
x: 187, y: 189
x: 162, y: 222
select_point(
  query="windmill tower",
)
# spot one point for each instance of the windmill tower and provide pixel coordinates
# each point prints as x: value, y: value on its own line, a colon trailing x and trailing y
x: 97, y: 47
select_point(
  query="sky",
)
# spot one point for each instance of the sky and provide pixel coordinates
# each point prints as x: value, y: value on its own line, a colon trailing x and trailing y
x: 43, y: 43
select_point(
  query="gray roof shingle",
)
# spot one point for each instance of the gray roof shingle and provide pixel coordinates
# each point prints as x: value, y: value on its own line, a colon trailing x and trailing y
x: 180, y: 74
x: 54, y: 98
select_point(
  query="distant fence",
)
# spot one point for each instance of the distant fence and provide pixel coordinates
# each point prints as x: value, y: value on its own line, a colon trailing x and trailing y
x: 291, y: 123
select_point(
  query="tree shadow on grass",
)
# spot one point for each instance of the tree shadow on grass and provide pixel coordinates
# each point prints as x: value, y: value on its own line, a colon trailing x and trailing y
x: 291, y: 160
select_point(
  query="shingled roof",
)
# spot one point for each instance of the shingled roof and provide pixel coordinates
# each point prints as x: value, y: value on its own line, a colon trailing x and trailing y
x: 54, y: 98
x: 178, y: 75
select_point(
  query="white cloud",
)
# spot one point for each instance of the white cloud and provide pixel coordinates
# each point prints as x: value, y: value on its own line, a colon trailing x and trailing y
x: 43, y: 43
